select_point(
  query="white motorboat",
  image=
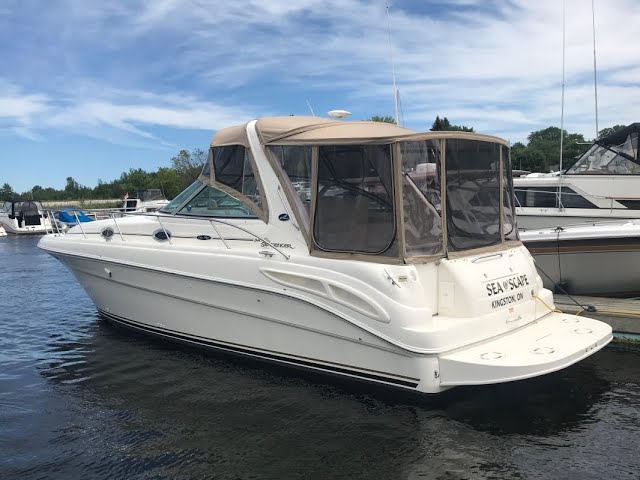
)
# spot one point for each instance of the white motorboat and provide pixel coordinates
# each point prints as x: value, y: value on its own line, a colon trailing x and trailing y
x: 604, y: 184
x: 360, y: 249
x: 150, y: 200
x: 588, y: 259
x: 24, y: 217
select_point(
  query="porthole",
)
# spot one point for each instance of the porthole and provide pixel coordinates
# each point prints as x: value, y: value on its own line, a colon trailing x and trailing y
x: 107, y: 233
x: 162, y: 235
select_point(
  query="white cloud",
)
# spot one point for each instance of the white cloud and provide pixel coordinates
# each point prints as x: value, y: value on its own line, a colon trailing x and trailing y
x: 18, y: 111
x: 493, y: 65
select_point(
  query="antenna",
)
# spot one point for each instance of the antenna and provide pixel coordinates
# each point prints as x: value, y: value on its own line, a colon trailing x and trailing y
x: 309, y: 105
x: 562, y: 102
x: 393, y: 70
x: 595, y: 76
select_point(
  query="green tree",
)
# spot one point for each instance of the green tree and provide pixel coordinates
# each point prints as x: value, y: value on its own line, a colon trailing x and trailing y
x: 133, y: 180
x: 169, y: 181
x: 442, y: 124
x: 71, y: 188
x: 518, y: 153
x: 383, y: 119
x: 547, y: 143
x: 605, y: 132
x: 189, y: 164
x: 6, y: 192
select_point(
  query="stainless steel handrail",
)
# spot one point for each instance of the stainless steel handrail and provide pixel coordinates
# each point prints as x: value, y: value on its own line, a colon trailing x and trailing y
x: 219, y: 234
x: 113, y: 217
x: 212, y: 221
x: 79, y: 223
x: 167, y: 236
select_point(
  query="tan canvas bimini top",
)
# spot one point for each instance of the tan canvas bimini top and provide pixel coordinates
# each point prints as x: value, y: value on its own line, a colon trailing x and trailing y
x: 310, y: 130
x: 294, y: 130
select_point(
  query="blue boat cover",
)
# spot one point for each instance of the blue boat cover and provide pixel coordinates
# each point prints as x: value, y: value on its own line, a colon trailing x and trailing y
x: 67, y: 216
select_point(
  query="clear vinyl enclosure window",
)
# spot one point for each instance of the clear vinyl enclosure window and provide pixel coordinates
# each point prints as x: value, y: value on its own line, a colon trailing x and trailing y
x: 510, y: 226
x: 421, y: 200
x: 295, y: 162
x: 473, y: 194
x: 354, y: 209
x: 232, y: 166
x: 609, y: 159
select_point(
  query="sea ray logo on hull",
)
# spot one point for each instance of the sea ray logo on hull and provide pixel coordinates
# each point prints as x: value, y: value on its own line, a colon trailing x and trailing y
x: 275, y: 244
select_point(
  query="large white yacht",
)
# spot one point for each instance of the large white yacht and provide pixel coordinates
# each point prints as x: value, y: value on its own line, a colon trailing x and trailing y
x: 604, y: 184
x: 24, y: 217
x: 360, y: 249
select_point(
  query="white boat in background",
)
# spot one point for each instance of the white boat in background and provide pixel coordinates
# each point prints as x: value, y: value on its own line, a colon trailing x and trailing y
x: 604, y: 184
x: 3, y: 233
x: 594, y: 259
x: 24, y: 217
x: 150, y: 200
x: 351, y: 248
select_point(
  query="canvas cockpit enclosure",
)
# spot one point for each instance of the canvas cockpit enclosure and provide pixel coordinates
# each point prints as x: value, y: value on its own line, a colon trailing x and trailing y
x: 374, y: 191
x: 615, y: 154
x: 27, y: 211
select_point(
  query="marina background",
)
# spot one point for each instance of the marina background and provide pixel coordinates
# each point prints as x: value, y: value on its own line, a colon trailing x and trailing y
x: 539, y: 154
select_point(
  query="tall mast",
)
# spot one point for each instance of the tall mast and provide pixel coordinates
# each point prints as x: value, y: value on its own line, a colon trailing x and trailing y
x: 595, y: 75
x: 562, y: 102
x: 393, y: 71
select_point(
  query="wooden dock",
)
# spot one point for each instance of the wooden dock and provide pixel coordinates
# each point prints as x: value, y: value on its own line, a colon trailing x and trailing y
x: 623, y: 314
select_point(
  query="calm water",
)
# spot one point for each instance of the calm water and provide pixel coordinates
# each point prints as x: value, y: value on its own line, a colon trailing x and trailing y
x: 80, y: 398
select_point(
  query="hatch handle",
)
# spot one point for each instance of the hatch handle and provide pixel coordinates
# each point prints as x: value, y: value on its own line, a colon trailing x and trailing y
x: 487, y: 257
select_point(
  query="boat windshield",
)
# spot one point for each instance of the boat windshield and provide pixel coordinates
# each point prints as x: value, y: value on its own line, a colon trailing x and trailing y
x: 603, y: 159
x: 202, y: 200
x: 173, y: 205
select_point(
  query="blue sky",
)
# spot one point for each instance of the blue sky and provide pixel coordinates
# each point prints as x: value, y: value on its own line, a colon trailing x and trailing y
x: 90, y: 89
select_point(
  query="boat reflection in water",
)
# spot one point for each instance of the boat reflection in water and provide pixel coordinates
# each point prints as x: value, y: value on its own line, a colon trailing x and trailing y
x: 146, y: 407
x: 360, y: 249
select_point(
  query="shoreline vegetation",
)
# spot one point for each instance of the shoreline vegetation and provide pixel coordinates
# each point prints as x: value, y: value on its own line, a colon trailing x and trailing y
x: 541, y: 153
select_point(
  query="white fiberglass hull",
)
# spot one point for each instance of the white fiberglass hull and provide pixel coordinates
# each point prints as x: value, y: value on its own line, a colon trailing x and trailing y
x: 535, y: 219
x: 11, y: 226
x: 295, y: 326
x: 600, y: 259
x: 244, y: 320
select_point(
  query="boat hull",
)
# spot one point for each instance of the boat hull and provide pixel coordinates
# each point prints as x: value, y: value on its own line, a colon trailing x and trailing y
x: 279, y: 328
x: 30, y: 230
x: 607, y: 266
x: 536, y: 221
x: 243, y: 320
x: 11, y: 226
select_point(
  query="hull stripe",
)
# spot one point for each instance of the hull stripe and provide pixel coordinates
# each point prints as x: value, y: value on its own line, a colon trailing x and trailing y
x: 258, y: 353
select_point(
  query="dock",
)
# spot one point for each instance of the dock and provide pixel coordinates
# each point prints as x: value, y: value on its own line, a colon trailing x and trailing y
x: 623, y: 314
